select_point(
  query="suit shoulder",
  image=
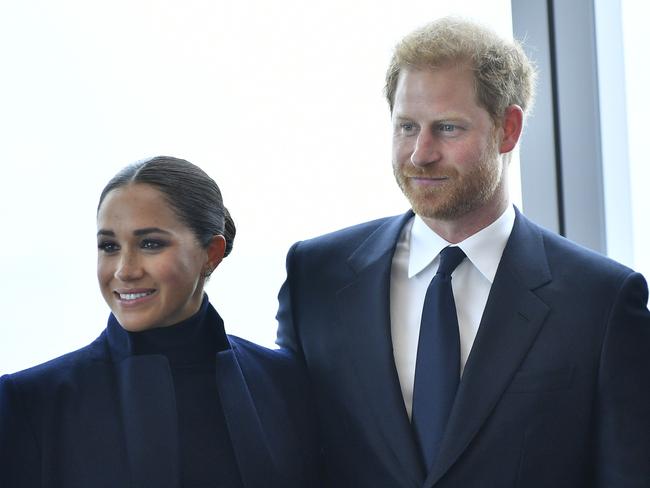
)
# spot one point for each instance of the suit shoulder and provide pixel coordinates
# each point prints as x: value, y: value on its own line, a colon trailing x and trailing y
x: 575, y: 268
x: 562, y: 250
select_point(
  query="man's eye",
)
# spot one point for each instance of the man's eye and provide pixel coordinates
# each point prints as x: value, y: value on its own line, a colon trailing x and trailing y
x: 447, y: 127
x: 152, y: 244
x: 108, y: 247
x: 407, y: 127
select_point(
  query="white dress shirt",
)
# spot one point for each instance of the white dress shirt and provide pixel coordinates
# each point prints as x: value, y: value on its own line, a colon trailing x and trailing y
x: 415, y: 263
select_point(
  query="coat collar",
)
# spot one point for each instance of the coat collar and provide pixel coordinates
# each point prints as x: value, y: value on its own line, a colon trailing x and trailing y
x: 148, y: 406
x: 249, y: 442
x: 204, y: 326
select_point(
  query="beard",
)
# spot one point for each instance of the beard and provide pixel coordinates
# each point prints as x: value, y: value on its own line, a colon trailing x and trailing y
x: 460, y: 194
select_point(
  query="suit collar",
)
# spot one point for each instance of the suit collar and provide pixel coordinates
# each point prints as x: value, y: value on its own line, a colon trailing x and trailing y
x: 364, y: 309
x: 484, y: 248
x: 380, y: 244
x: 513, y: 317
x: 525, y: 255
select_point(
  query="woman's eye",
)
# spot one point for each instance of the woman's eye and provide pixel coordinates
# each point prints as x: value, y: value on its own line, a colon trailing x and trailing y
x: 108, y: 247
x: 152, y: 244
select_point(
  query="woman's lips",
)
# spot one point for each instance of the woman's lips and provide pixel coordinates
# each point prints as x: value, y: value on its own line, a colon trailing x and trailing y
x: 134, y: 297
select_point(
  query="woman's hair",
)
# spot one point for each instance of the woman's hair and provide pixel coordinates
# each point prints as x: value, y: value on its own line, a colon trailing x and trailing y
x: 194, y: 197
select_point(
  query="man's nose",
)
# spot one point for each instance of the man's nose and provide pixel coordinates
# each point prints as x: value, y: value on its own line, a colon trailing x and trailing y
x: 426, y: 150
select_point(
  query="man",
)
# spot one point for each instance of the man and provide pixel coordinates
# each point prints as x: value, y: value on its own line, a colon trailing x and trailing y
x: 543, y: 378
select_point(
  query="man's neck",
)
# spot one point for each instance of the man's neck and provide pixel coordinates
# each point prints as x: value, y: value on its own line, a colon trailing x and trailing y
x: 459, y: 229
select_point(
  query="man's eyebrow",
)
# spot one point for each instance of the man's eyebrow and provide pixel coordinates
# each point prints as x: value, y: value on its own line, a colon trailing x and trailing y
x: 104, y: 232
x: 438, y: 118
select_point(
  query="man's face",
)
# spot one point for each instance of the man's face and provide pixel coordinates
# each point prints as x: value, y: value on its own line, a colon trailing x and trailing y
x: 445, y: 148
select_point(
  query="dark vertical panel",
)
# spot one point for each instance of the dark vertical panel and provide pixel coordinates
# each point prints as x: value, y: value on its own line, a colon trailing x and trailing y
x: 539, y: 148
x: 561, y: 156
x: 579, y: 123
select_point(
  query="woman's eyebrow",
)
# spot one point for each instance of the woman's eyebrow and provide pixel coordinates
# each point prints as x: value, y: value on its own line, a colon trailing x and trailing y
x: 137, y: 232
x: 150, y: 230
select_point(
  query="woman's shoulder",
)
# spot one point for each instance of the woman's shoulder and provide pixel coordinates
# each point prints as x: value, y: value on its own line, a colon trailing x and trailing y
x: 53, y: 372
x: 263, y: 362
x: 246, y: 350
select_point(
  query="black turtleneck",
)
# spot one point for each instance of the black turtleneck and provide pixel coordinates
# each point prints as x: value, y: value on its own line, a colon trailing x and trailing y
x: 206, y: 455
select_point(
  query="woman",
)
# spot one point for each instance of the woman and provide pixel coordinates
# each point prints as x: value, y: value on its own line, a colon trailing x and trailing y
x: 163, y: 398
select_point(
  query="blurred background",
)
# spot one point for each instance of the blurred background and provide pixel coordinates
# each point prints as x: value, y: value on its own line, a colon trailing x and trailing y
x: 280, y: 102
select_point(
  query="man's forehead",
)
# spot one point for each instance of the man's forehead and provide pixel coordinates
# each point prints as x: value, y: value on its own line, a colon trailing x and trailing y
x: 446, y: 115
x: 426, y: 83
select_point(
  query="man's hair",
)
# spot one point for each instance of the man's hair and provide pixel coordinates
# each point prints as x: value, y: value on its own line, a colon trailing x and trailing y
x: 503, y: 73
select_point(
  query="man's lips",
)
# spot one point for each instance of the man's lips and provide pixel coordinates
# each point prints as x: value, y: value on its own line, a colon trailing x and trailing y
x: 426, y: 177
x: 427, y: 180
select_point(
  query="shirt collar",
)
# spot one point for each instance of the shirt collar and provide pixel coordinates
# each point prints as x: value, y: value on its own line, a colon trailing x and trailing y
x: 483, y: 249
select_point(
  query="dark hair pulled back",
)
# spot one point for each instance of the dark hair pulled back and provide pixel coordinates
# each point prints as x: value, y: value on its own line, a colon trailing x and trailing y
x: 194, y: 197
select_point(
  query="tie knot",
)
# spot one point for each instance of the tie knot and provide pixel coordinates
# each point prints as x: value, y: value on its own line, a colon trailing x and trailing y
x: 450, y: 257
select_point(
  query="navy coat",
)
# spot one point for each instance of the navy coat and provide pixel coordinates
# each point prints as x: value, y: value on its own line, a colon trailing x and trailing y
x: 100, y: 417
x: 555, y: 392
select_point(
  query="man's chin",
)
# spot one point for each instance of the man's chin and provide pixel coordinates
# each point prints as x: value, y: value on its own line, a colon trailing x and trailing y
x: 437, y: 207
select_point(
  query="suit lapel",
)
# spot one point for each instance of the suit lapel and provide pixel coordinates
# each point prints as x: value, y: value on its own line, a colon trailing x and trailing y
x: 148, y: 403
x: 511, y: 321
x: 364, y: 305
x: 246, y: 434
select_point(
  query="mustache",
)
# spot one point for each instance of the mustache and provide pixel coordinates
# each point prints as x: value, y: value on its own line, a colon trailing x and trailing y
x: 433, y: 172
x: 425, y: 174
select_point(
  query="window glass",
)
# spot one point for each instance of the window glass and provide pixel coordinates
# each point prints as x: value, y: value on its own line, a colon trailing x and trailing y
x: 635, y: 15
x: 281, y: 102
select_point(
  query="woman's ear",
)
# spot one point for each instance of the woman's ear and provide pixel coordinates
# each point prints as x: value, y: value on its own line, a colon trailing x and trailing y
x: 216, y: 249
x: 511, y: 125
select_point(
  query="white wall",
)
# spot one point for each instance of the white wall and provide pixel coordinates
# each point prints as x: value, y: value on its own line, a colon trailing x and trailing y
x: 281, y: 102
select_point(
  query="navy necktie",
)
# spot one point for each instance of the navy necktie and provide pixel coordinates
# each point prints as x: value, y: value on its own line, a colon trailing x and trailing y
x: 437, y: 368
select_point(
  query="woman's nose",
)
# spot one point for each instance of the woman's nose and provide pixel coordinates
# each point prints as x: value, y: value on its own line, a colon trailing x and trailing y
x: 129, y: 267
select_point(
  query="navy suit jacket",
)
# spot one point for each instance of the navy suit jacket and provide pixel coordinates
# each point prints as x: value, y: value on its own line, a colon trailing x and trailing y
x: 555, y: 392
x: 102, y: 418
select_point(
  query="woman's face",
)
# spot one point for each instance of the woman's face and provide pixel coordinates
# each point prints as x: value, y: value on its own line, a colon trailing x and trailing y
x: 149, y: 263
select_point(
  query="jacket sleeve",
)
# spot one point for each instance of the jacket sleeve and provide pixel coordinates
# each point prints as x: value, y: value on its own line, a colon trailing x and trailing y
x: 287, y: 336
x: 623, y: 401
x: 19, y: 453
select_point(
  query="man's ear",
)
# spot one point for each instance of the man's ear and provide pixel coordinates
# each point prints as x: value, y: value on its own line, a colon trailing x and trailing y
x: 216, y: 249
x: 511, y: 127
